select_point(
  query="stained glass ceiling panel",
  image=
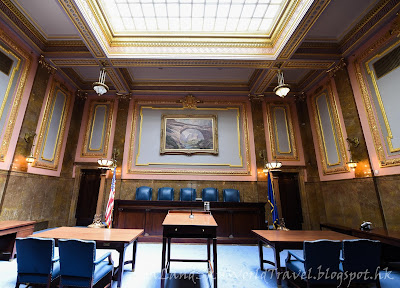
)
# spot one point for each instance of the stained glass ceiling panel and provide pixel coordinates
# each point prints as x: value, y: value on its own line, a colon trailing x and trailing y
x: 202, y: 17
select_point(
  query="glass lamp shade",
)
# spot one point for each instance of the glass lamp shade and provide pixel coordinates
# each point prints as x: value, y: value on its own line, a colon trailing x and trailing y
x: 273, y: 165
x: 30, y: 159
x: 100, y: 88
x: 282, y: 90
x: 352, y: 165
x: 105, y: 162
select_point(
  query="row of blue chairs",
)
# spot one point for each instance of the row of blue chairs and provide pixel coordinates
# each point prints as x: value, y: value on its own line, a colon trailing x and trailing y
x: 187, y: 194
x: 324, y: 261
x: 76, y: 265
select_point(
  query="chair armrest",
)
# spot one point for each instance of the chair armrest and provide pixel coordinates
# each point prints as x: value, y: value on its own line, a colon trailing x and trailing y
x: 295, y: 256
x: 97, y: 261
x: 55, y: 259
x: 341, y: 259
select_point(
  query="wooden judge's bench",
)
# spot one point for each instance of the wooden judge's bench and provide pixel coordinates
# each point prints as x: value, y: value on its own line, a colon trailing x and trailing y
x: 235, y: 220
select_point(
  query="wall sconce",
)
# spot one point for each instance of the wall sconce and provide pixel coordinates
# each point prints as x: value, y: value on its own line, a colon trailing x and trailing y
x: 105, y: 163
x: 352, y: 142
x: 270, y: 166
x: 29, y: 137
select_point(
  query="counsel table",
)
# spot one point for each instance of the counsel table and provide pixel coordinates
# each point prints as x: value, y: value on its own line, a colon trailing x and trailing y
x: 117, y: 239
x: 177, y: 224
x: 9, y: 230
x: 280, y: 240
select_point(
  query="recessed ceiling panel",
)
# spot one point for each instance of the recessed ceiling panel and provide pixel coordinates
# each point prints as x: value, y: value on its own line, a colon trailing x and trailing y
x: 49, y: 18
x: 88, y: 74
x: 176, y: 17
x: 188, y: 74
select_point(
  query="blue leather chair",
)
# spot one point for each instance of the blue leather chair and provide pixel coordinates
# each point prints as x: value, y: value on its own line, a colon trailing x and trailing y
x: 318, y: 256
x: 361, y: 255
x: 209, y: 194
x: 165, y: 193
x: 79, y: 267
x: 187, y: 194
x: 231, y: 195
x: 144, y: 193
x: 36, y: 263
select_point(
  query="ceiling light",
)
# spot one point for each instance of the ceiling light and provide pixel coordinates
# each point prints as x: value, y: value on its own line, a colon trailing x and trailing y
x: 282, y: 89
x: 100, y: 87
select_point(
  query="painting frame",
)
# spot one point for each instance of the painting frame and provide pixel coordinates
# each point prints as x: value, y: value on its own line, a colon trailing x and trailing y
x: 192, y: 142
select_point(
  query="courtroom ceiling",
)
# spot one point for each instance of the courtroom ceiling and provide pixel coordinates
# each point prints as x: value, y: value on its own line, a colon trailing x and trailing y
x: 225, y: 47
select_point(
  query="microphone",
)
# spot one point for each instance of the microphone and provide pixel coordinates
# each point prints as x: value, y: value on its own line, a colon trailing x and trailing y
x: 191, y: 216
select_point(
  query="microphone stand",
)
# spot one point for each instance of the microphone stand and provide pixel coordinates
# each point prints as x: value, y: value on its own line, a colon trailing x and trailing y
x: 191, y: 216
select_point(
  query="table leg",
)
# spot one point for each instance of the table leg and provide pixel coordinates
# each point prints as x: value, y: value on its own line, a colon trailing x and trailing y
x: 208, y: 254
x: 121, y: 263
x: 169, y: 255
x: 163, y: 262
x: 134, y: 255
x: 278, y: 267
x: 215, y: 261
x: 261, y: 255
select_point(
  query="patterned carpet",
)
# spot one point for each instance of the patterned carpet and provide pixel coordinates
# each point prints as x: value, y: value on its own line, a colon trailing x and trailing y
x: 238, y: 267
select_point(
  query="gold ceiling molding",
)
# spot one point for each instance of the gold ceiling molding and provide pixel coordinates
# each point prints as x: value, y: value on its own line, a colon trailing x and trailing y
x: 74, y: 62
x: 310, y: 64
x: 85, y: 31
x: 267, y: 79
x: 116, y: 80
x: 189, y: 102
x: 27, y: 27
x: 190, y: 63
x: 64, y: 43
x: 368, y: 103
x: 44, y: 64
x: 340, y: 66
x: 306, y: 23
x: 367, y: 23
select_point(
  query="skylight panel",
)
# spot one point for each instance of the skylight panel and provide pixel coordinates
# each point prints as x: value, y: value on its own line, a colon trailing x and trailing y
x: 192, y: 16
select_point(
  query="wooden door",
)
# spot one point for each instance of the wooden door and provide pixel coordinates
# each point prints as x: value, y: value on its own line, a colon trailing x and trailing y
x: 88, y: 194
x: 290, y: 200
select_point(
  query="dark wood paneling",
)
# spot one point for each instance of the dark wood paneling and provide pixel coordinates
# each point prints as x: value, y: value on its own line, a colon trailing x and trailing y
x: 235, y: 220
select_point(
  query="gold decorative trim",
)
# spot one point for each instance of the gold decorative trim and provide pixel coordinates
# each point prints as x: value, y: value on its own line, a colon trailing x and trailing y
x: 317, y: 65
x: 329, y: 168
x: 379, y: 97
x: 190, y: 63
x: 44, y: 64
x: 233, y: 172
x: 85, y: 152
x: 74, y: 62
x: 287, y: 132
x: 190, y: 102
x: 272, y: 127
x: 369, y: 107
x: 43, y: 127
x: 9, y: 124
x: 102, y: 130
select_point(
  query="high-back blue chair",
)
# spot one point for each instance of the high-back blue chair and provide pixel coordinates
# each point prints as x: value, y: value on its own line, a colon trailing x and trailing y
x: 231, y: 195
x: 187, y: 194
x: 36, y: 263
x: 78, y: 267
x: 144, y: 193
x: 165, y: 193
x: 319, y: 255
x: 360, y: 255
x: 209, y: 194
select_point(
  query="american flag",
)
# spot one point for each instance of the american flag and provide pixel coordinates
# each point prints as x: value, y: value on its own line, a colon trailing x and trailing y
x: 110, y: 203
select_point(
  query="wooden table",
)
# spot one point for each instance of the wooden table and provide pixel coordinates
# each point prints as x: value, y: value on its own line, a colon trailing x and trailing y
x: 178, y: 224
x: 9, y: 230
x: 280, y: 240
x: 117, y: 239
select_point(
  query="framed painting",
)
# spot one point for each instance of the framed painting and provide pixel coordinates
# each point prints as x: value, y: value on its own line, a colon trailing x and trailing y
x: 189, y: 134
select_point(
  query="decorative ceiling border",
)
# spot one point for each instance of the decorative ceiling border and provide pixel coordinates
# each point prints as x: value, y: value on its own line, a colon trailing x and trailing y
x: 308, y: 20
x: 368, y: 22
x: 190, y: 63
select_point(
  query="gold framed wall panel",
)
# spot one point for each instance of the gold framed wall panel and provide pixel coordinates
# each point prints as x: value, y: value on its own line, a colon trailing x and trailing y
x: 106, y: 132
x: 340, y: 166
x: 233, y: 170
x: 374, y: 124
x: 13, y: 111
x: 292, y: 154
x: 43, y: 130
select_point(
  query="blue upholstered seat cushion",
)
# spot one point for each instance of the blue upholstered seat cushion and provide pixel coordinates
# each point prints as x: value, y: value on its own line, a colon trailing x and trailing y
x: 231, y: 195
x: 40, y: 278
x: 101, y: 270
x: 144, y: 193
x: 209, y: 194
x: 296, y: 267
x: 165, y: 193
x: 185, y: 194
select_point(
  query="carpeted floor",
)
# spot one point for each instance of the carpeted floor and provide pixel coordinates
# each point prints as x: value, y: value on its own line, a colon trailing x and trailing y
x: 238, y: 267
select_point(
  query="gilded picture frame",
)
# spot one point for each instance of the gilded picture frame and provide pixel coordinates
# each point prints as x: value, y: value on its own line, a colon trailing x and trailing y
x: 189, y: 134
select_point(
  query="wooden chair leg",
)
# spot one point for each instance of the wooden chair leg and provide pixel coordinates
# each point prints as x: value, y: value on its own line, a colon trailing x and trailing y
x: 17, y: 284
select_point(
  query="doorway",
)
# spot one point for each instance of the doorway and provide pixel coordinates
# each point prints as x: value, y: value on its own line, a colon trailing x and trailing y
x: 88, y: 194
x: 290, y: 200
